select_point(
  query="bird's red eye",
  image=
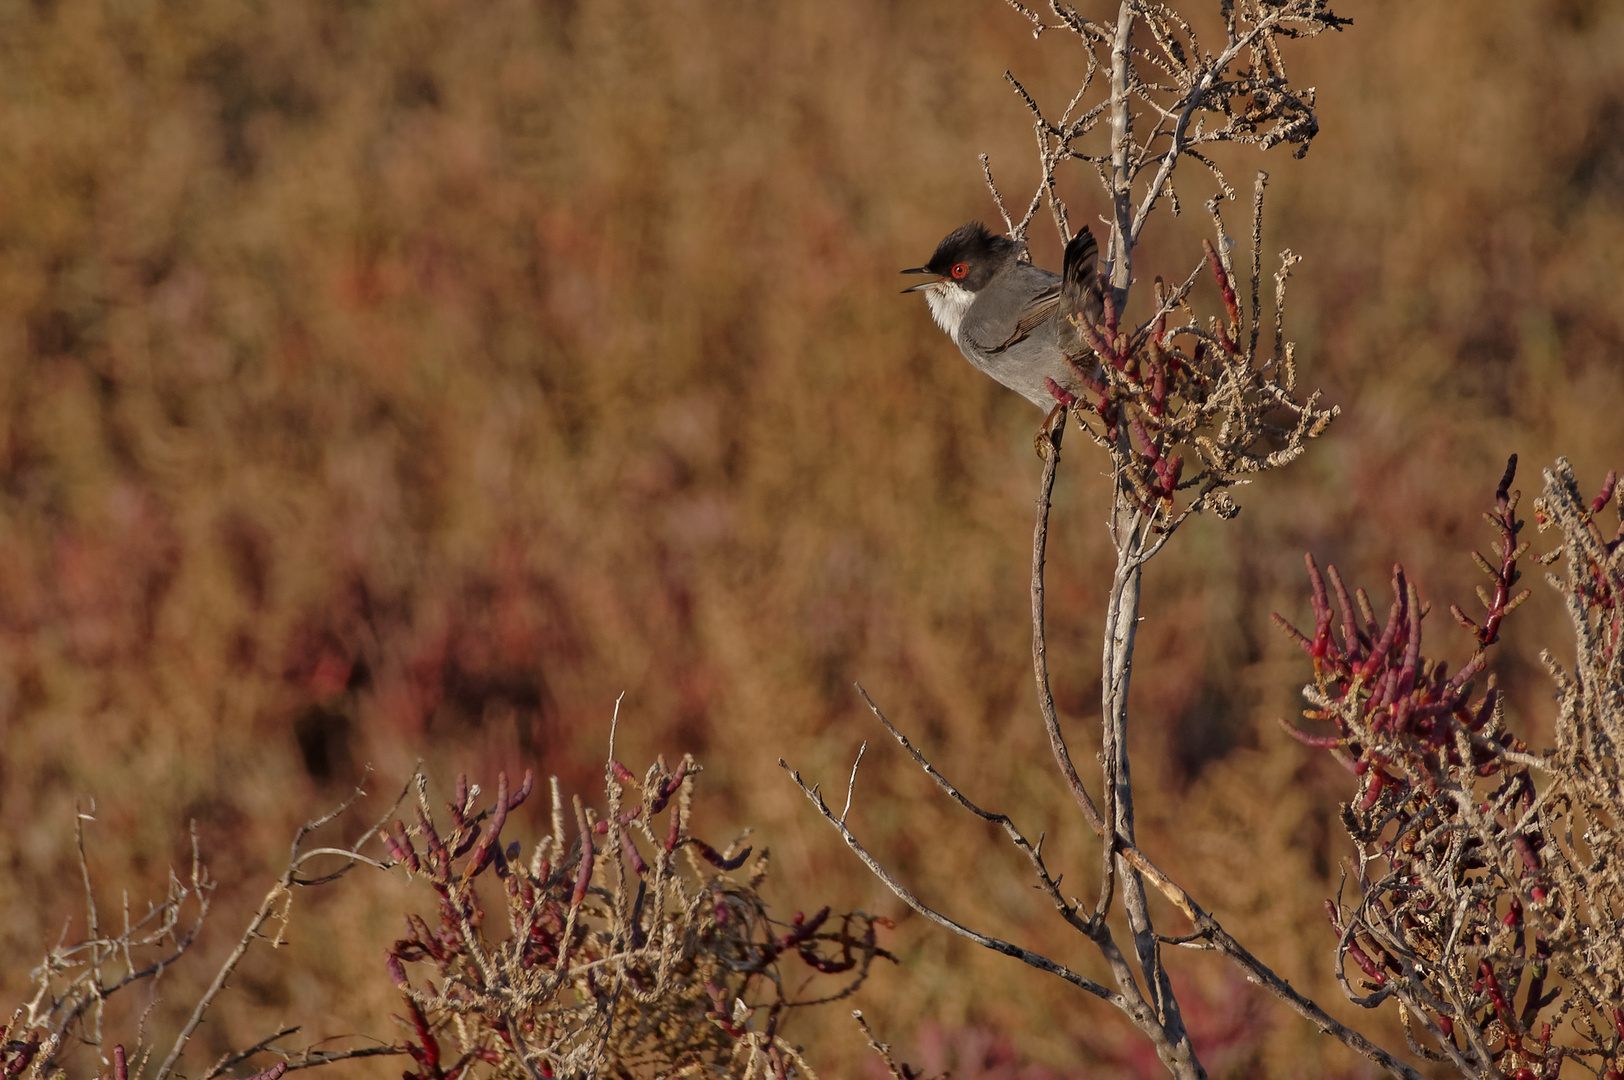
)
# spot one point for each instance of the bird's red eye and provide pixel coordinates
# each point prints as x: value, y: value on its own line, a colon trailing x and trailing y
x: 960, y: 269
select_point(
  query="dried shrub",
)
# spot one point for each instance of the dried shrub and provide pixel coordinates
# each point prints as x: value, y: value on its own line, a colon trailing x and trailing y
x: 75, y: 980
x: 1488, y: 887
x: 612, y: 963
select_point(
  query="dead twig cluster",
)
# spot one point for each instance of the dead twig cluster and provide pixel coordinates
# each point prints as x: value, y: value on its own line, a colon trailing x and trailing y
x: 1197, y: 93
x: 75, y: 980
x: 610, y: 964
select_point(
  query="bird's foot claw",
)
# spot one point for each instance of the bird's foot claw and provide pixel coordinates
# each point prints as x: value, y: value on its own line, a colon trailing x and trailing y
x: 1052, y: 431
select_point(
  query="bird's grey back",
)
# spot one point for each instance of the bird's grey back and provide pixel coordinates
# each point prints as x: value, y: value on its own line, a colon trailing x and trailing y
x: 992, y: 320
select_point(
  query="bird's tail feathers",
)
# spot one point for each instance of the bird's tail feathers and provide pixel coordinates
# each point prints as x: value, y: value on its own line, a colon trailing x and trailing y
x: 1081, y: 267
x: 1081, y: 292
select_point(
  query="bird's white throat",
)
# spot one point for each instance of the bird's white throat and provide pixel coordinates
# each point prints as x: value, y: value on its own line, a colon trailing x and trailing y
x: 948, y: 302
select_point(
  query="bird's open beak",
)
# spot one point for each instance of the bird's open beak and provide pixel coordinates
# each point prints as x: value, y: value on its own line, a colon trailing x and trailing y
x: 922, y: 284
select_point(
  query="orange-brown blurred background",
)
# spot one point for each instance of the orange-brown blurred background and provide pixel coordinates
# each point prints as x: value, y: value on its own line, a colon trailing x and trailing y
x: 385, y: 380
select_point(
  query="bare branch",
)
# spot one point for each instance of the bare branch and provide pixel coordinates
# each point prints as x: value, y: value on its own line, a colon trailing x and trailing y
x: 901, y: 892
x: 280, y: 893
x: 852, y: 783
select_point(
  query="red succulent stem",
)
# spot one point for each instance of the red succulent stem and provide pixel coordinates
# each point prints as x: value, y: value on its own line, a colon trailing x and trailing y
x: 1606, y: 493
x: 481, y: 855
x: 1101, y: 345
x: 1226, y: 288
x: 583, y: 875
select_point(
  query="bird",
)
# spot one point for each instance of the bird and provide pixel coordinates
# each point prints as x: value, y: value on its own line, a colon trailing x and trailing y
x: 1010, y: 319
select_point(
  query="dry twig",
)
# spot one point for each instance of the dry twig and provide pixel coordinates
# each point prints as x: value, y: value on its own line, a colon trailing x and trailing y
x: 74, y: 981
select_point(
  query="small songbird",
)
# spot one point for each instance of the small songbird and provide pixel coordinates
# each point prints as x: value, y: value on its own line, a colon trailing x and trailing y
x: 1010, y: 319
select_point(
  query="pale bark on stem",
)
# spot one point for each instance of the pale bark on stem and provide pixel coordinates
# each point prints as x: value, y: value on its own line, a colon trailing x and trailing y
x: 1121, y: 252
x: 1122, y: 612
x: 1127, y: 997
x: 1172, y: 1042
x: 1040, y: 663
x: 1138, y: 1009
x: 1121, y: 622
x: 1207, y: 927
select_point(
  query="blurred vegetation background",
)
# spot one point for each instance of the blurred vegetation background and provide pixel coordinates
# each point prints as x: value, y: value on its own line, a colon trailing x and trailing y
x: 385, y: 380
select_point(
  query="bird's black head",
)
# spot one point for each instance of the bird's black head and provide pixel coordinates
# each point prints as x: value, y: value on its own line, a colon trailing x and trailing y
x: 969, y: 256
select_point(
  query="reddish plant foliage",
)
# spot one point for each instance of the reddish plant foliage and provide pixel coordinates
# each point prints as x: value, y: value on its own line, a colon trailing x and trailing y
x: 1486, y: 880
x: 613, y: 961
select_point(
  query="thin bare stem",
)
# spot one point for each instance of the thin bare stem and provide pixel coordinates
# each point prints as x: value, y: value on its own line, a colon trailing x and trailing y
x: 1123, y: 237
x: 851, y: 784
x: 280, y: 894
x: 1040, y: 664
x: 903, y: 893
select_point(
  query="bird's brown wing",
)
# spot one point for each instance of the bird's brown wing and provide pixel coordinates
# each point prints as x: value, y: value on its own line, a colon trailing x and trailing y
x: 1038, y: 312
x: 1078, y: 293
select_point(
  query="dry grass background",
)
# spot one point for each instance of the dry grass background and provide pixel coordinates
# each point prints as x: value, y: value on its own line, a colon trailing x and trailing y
x: 385, y: 380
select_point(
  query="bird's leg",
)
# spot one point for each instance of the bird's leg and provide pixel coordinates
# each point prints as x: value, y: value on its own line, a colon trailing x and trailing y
x: 1050, y: 434
x: 1054, y: 425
